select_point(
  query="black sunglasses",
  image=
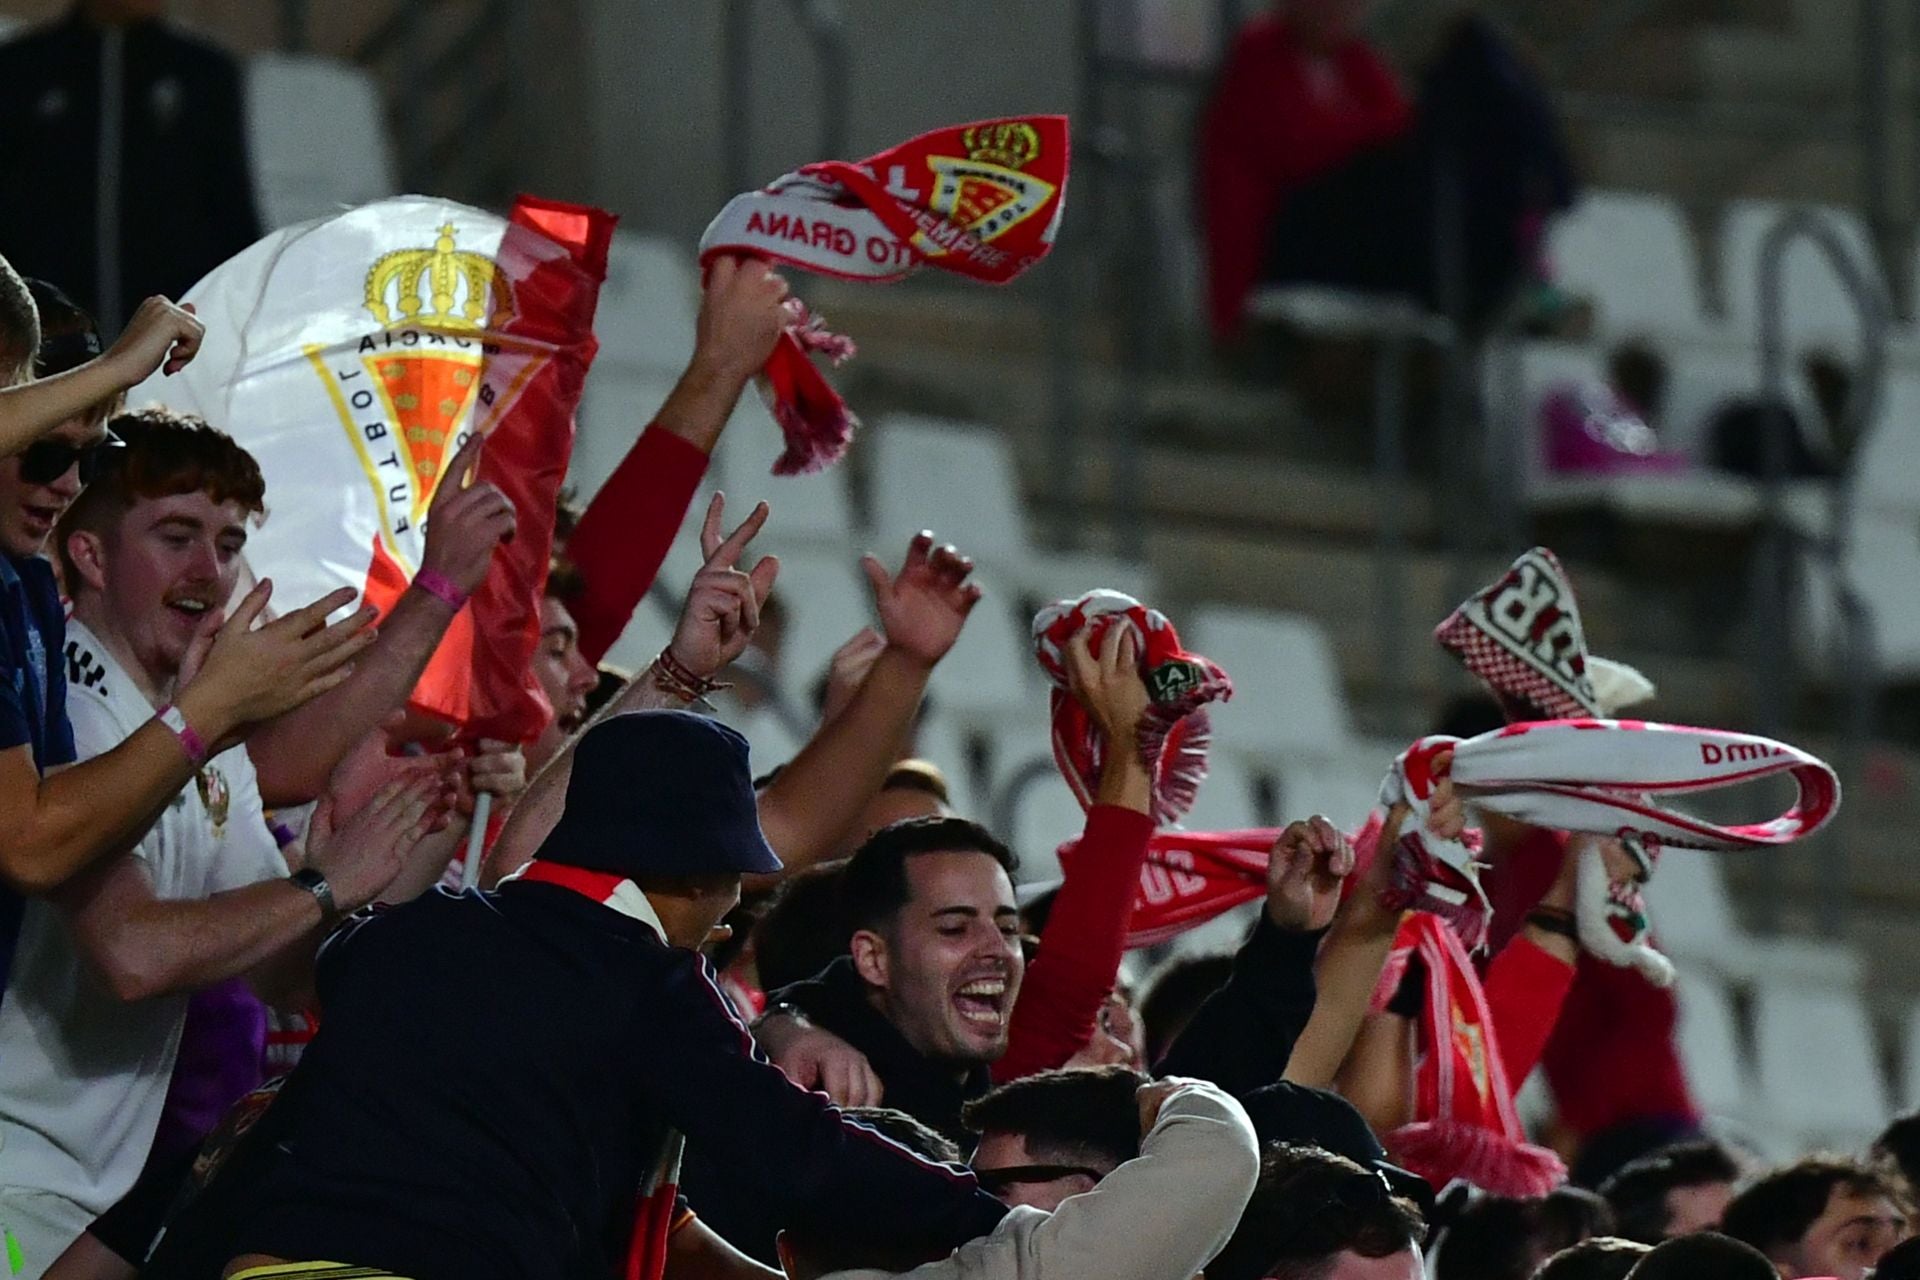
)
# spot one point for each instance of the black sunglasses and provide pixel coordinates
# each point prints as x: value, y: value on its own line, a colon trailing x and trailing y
x: 47, y: 461
x: 997, y: 1181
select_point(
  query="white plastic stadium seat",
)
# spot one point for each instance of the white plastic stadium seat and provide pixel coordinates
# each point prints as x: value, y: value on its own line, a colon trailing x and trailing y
x: 1693, y: 921
x: 648, y: 304
x: 1226, y: 800
x: 317, y: 137
x: 954, y: 478
x: 1818, y: 307
x: 811, y: 510
x: 616, y: 405
x: 1287, y: 692
x: 1818, y: 1070
x: 1635, y: 256
x: 826, y: 601
x: 1709, y: 1042
x: 1887, y: 472
x: 1883, y: 563
x: 1045, y: 816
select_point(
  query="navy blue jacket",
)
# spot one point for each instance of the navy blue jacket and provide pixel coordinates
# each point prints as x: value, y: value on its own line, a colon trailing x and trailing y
x: 494, y: 1076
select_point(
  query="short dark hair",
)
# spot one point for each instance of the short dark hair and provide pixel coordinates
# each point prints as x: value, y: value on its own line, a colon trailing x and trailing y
x: 1638, y: 1192
x: 1308, y: 1206
x: 1174, y: 993
x: 19, y: 325
x: 165, y: 453
x: 1072, y: 1116
x: 1899, y: 1145
x: 565, y: 583
x: 1778, y: 1209
x: 1601, y: 1258
x: 68, y: 336
x: 1502, y: 1238
x: 803, y: 929
x: 874, y: 886
x: 1706, y: 1255
x: 827, y: 1252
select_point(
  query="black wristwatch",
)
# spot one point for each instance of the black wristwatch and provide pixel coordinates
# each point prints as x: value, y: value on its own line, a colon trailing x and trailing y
x: 310, y: 879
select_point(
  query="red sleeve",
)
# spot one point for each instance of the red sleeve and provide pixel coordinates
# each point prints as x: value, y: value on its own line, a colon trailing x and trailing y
x: 626, y: 532
x: 1080, y: 948
x: 1526, y: 985
x: 1237, y: 195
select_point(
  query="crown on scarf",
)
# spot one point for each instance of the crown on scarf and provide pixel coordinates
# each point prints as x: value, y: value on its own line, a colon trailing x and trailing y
x: 442, y: 269
x: 1007, y: 143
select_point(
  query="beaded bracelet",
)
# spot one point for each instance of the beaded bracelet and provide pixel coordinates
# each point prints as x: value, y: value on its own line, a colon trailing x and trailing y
x: 675, y: 678
x: 190, y: 742
x: 441, y: 588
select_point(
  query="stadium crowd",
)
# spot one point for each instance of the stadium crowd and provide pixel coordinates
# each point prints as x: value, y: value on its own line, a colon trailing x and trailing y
x: 707, y: 1019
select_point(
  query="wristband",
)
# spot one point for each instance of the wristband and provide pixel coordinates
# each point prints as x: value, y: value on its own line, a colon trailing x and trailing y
x: 1554, y: 920
x: 441, y: 588
x: 190, y: 742
x: 676, y: 679
x: 311, y: 880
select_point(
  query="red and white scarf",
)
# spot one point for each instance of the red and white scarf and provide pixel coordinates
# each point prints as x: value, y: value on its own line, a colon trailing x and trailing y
x: 1174, y: 733
x: 982, y: 200
x: 1600, y: 777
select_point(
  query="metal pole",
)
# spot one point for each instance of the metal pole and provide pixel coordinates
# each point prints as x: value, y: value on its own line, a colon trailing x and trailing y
x: 736, y: 119
x: 293, y: 26
x: 1390, y: 470
x: 1876, y: 114
x: 1773, y: 666
x: 828, y: 26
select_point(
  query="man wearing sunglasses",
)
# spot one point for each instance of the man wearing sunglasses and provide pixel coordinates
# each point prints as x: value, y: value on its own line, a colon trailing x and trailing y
x: 1056, y: 1134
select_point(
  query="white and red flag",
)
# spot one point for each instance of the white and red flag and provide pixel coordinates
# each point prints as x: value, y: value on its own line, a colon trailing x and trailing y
x: 353, y: 355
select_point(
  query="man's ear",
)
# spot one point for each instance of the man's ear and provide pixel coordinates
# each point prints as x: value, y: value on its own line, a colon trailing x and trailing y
x: 869, y: 951
x: 89, y: 555
x: 783, y: 1250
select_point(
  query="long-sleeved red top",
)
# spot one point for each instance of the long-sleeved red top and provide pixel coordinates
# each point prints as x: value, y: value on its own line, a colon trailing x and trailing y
x: 1080, y: 949
x: 1280, y: 116
x: 1611, y: 1057
x: 627, y: 530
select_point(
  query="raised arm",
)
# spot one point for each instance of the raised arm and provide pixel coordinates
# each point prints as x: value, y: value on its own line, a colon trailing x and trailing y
x: 1242, y: 1037
x: 1079, y: 958
x: 720, y: 616
x: 1196, y: 1170
x: 629, y: 526
x: 145, y: 946
x: 59, y: 824
x: 807, y: 811
x: 466, y: 523
x: 160, y: 335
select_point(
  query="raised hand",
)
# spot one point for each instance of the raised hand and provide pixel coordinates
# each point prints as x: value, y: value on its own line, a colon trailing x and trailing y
x: 466, y: 522
x: 160, y: 336
x: 1108, y: 684
x: 1305, y: 869
x: 741, y: 317
x: 723, y: 605
x: 495, y: 768
x: 923, y: 607
x: 237, y: 675
x: 360, y: 854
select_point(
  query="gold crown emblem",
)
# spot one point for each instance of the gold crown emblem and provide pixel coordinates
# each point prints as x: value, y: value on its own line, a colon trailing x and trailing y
x: 442, y: 269
x: 1009, y: 144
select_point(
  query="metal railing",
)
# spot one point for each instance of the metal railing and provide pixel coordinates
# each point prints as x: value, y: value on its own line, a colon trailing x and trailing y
x: 824, y: 26
x: 1774, y: 669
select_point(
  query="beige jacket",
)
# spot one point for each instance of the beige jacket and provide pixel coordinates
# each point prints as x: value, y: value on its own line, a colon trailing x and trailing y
x: 1162, y: 1216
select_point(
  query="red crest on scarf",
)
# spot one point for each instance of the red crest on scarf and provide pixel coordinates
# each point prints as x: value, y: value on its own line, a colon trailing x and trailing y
x: 1174, y: 734
x: 981, y: 200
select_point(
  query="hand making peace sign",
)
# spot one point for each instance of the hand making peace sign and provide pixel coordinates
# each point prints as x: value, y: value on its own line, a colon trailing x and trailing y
x: 723, y: 605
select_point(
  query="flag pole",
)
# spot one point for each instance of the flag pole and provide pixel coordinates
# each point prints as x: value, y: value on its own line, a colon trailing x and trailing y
x: 477, y: 840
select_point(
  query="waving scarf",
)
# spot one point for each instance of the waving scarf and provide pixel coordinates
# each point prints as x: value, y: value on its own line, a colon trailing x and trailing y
x: 1600, y: 777
x: 981, y: 200
x: 1174, y: 732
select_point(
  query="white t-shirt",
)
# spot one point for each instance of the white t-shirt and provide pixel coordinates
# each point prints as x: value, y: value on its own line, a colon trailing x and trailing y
x: 83, y: 1076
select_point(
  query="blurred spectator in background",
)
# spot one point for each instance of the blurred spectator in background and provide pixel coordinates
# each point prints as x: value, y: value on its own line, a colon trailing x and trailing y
x: 1606, y: 427
x: 1174, y: 993
x: 1822, y: 1216
x: 1899, y: 1145
x: 1673, y: 1192
x: 1314, y: 168
x: 1601, y: 1258
x: 1737, y: 434
x: 1499, y: 1238
x: 123, y: 160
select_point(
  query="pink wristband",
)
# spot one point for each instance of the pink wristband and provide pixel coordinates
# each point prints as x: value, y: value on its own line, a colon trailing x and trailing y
x: 190, y: 742
x: 441, y: 588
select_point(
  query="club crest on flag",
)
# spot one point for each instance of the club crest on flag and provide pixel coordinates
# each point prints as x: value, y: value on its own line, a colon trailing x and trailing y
x: 438, y: 369
x: 986, y: 193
